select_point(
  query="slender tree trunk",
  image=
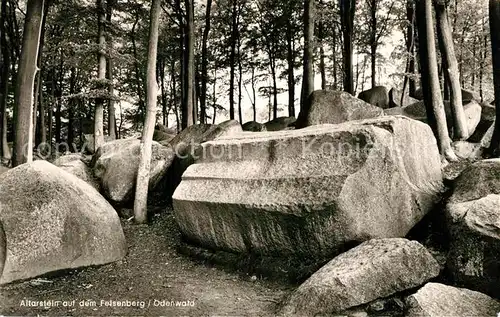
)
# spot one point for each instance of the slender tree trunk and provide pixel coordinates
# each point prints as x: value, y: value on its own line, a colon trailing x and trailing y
x: 373, y: 40
x: 275, y: 86
x: 411, y: 46
x: 99, y: 103
x: 240, y: 82
x: 347, y: 11
x: 174, y: 95
x: 51, y: 110
x: 142, y: 185
x: 39, y: 78
x: 290, y: 71
x: 214, y: 96
x: 483, y: 61
x: 187, y: 115
x: 410, y: 50
x: 23, y: 105
x: 232, y: 58
x: 322, y: 57
x: 136, y: 66
x: 204, y: 64
x: 165, y: 108
x: 4, y: 82
x: 59, y: 94
x: 430, y: 78
x: 308, y: 78
x: 494, y: 13
x: 71, y: 108
x: 450, y: 67
x: 254, y: 93
x: 43, y: 116
x: 334, y: 59
x: 110, y: 75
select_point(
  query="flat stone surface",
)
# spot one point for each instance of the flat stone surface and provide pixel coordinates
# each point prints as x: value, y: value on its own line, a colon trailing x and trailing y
x: 310, y: 192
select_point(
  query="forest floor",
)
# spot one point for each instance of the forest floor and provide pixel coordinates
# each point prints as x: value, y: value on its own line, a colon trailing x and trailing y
x: 154, y: 275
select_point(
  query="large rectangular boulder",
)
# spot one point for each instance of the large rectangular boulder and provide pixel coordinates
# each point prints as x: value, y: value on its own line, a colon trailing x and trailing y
x: 310, y: 192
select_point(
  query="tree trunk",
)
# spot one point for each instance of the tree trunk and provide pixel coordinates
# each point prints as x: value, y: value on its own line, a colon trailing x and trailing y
x: 23, y: 104
x: 141, y: 192
x: 290, y: 71
x: 59, y: 94
x: 450, y: 68
x: 204, y: 64
x: 483, y: 61
x: 187, y: 115
x: 71, y: 108
x: 110, y: 75
x: 254, y: 94
x: 494, y: 13
x: 4, y: 82
x: 99, y: 103
x: 39, y: 79
x: 373, y: 40
x: 165, y: 108
x: 275, y: 86
x: 347, y: 11
x: 411, y: 46
x: 308, y: 78
x: 136, y: 67
x: 430, y: 78
x: 240, y: 82
x: 214, y: 96
x: 334, y: 59
x: 173, y: 97
x: 322, y: 57
x: 232, y: 58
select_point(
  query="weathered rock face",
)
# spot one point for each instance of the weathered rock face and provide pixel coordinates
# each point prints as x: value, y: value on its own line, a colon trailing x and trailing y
x: 468, y: 95
x: 280, y: 124
x: 417, y: 111
x: 65, y: 159
x: 375, y: 269
x: 334, y: 107
x: 395, y: 99
x: 473, y: 214
x: 186, y: 146
x: 468, y: 150
x: 438, y: 300
x: 474, y: 257
x: 310, y: 192
x: 160, y: 136
x: 116, y: 164
x: 89, y: 142
x: 253, y: 126
x: 477, y: 181
x: 488, y: 136
x: 163, y: 128
x: 377, y: 96
x: 488, y: 115
x: 73, y: 164
x: 222, y: 129
x: 55, y: 221
x: 3, y: 169
x: 473, y: 116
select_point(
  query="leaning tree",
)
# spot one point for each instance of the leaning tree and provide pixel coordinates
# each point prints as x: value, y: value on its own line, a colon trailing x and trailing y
x: 433, y: 100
